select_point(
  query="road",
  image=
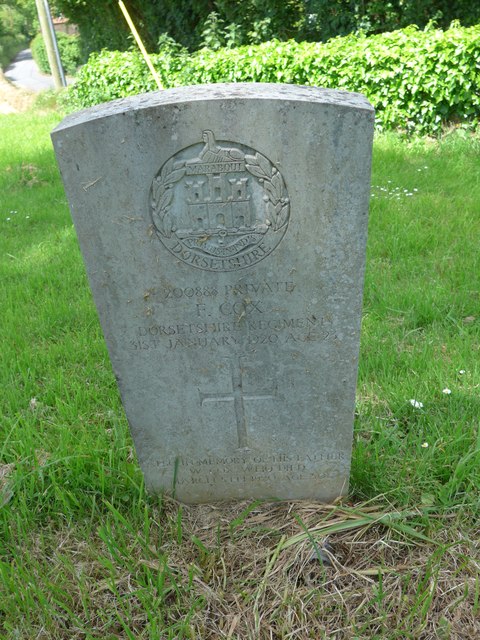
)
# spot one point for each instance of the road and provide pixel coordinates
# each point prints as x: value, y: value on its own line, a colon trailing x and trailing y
x: 23, y: 72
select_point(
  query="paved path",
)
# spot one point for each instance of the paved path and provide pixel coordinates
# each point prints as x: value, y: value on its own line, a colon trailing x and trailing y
x: 24, y: 73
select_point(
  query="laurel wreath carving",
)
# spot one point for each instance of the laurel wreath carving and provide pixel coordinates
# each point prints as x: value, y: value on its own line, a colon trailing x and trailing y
x: 162, y: 196
x: 278, y: 203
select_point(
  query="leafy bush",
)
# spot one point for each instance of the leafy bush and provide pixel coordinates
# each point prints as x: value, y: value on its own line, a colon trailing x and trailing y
x: 11, y: 20
x: 9, y: 47
x: 12, y: 33
x: 18, y: 17
x: 69, y: 48
x: 416, y: 80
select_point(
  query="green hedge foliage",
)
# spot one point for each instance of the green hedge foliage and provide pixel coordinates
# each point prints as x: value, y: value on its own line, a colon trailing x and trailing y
x: 69, y: 48
x: 12, y: 33
x: 9, y: 47
x: 418, y: 81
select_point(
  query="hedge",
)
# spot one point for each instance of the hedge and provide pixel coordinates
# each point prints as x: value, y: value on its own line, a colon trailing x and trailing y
x: 69, y: 49
x: 418, y: 81
x: 9, y: 47
x: 12, y: 33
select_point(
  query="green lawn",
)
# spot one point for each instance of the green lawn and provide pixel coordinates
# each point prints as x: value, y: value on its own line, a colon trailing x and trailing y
x: 86, y: 554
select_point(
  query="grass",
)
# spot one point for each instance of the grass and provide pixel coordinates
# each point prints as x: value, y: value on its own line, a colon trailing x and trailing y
x: 86, y: 554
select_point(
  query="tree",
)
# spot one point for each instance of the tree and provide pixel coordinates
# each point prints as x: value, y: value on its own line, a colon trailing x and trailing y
x: 195, y: 23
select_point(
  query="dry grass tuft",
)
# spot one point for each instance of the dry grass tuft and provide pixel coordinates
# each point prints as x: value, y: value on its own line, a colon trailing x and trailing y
x: 13, y: 99
x: 266, y: 571
x: 313, y: 585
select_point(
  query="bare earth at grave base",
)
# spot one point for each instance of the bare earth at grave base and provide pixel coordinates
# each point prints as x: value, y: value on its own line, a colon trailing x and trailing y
x: 251, y: 571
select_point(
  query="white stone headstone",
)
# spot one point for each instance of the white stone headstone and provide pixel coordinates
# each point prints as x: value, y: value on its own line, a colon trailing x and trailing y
x: 223, y: 230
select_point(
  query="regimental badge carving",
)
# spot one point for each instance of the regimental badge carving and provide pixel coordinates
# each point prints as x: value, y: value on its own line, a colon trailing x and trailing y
x: 219, y: 206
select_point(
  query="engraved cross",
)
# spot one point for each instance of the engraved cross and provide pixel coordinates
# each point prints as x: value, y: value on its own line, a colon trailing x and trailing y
x: 238, y: 395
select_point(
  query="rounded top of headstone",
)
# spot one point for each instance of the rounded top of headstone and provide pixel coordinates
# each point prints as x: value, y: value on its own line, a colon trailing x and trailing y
x: 221, y: 91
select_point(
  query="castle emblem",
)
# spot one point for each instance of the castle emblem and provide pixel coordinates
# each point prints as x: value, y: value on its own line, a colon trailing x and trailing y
x: 219, y: 207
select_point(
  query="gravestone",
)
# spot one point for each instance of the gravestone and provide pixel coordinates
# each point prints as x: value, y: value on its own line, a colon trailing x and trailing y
x: 223, y: 230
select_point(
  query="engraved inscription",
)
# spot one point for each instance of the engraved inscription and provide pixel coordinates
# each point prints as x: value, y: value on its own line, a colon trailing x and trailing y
x: 219, y: 208
x: 236, y: 289
x: 247, y: 467
x: 238, y: 395
x: 281, y: 331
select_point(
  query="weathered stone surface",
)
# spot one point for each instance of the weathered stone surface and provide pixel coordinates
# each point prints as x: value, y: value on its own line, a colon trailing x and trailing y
x: 223, y: 229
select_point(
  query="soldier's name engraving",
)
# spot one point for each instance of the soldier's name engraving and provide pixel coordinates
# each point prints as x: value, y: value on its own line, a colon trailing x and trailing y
x: 217, y: 207
x: 238, y: 309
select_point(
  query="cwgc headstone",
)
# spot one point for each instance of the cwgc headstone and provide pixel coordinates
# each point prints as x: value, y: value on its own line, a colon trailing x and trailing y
x: 223, y: 229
